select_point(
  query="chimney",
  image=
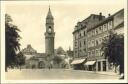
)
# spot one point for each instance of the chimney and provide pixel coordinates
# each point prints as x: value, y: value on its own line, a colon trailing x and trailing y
x: 100, y: 16
x: 109, y: 15
x: 100, y: 13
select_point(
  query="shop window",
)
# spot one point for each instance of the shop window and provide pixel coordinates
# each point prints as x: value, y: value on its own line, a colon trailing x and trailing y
x: 104, y: 65
x: 99, y: 66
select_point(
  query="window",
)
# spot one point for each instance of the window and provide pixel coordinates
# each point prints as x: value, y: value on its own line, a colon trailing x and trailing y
x: 110, y: 23
x: 75, y: 51
x: 96, y: 52
x: 80, y: 50
x: 75, y: 37
x: 100, y: 28
x: 97, y: 42
x: 93, y: 32
x: 84, y: 42
x: 88, y: 53
x: 80, y: 35
x: 80, y: 44
x: 101, y: 53
x: 75, y: 43
x: 93, y: 52
x: 105, y: 27
x: 100, y: 40
x: 84, y: 33
x: 96, y: 31
x: 93, y: 42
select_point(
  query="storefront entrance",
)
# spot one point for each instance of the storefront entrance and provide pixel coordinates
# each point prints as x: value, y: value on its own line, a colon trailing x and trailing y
x: 99, y: 66
x: 104, y: 65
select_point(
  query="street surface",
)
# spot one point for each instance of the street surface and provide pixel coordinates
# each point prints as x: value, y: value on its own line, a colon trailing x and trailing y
x: 56, y: 74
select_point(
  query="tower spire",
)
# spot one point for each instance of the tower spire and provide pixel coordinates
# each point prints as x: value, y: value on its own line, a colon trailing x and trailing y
x: 49, y: 15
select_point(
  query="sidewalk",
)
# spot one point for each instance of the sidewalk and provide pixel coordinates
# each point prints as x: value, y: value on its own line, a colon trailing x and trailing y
x: 101, y: 72
x: 107, y: 73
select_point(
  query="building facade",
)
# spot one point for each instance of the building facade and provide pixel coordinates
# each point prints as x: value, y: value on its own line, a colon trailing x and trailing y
x: 95, y: 34
x: 80, y: 39
x: 33, y: 58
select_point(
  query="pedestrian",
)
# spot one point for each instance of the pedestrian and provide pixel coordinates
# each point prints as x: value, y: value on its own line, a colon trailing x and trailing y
x: 49, y: 67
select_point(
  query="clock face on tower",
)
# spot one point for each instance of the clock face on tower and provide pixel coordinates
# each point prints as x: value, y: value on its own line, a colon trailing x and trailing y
x: 49, y: 29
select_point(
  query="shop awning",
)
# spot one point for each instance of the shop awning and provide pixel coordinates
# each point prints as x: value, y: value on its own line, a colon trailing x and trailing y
x: 90, y: 63
x: 78, y: 61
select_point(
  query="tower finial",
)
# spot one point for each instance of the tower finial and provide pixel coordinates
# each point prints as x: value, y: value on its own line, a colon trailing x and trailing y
x: 49, y: 6
x: 49, y: 15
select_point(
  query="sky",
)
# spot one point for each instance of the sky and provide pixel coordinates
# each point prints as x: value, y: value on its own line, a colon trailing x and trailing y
x: 30, y: 17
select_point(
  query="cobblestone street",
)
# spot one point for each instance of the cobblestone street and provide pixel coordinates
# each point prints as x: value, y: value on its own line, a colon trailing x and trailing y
x: 59, y: 74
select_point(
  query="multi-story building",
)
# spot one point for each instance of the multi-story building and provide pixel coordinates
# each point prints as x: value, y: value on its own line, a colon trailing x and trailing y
x: 80, y: 39
x: 88, y: 36
x: 95, y: 37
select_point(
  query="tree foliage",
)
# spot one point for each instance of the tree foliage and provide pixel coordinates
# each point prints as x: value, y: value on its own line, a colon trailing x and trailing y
x: 12, y: 44
x: 57, y: 59
x: 113, y: 48
x: 20, y: 59
x: 60, y: 51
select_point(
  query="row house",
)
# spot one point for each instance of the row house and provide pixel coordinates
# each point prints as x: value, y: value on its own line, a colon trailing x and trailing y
x: 95, y: 37
x: 96, y: 30
x: 80, y: 40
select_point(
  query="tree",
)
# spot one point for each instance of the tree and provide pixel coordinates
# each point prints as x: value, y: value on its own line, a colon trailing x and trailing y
x: 20, y: 59
x: 57, y: 60
x: 12, y: 44
x: 113, y: 48
x: 60, y: 51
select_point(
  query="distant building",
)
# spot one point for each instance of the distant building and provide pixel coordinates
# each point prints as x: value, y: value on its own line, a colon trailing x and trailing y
x: 34, y: 59
x: 88, y: 36
x: 29, y: 51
